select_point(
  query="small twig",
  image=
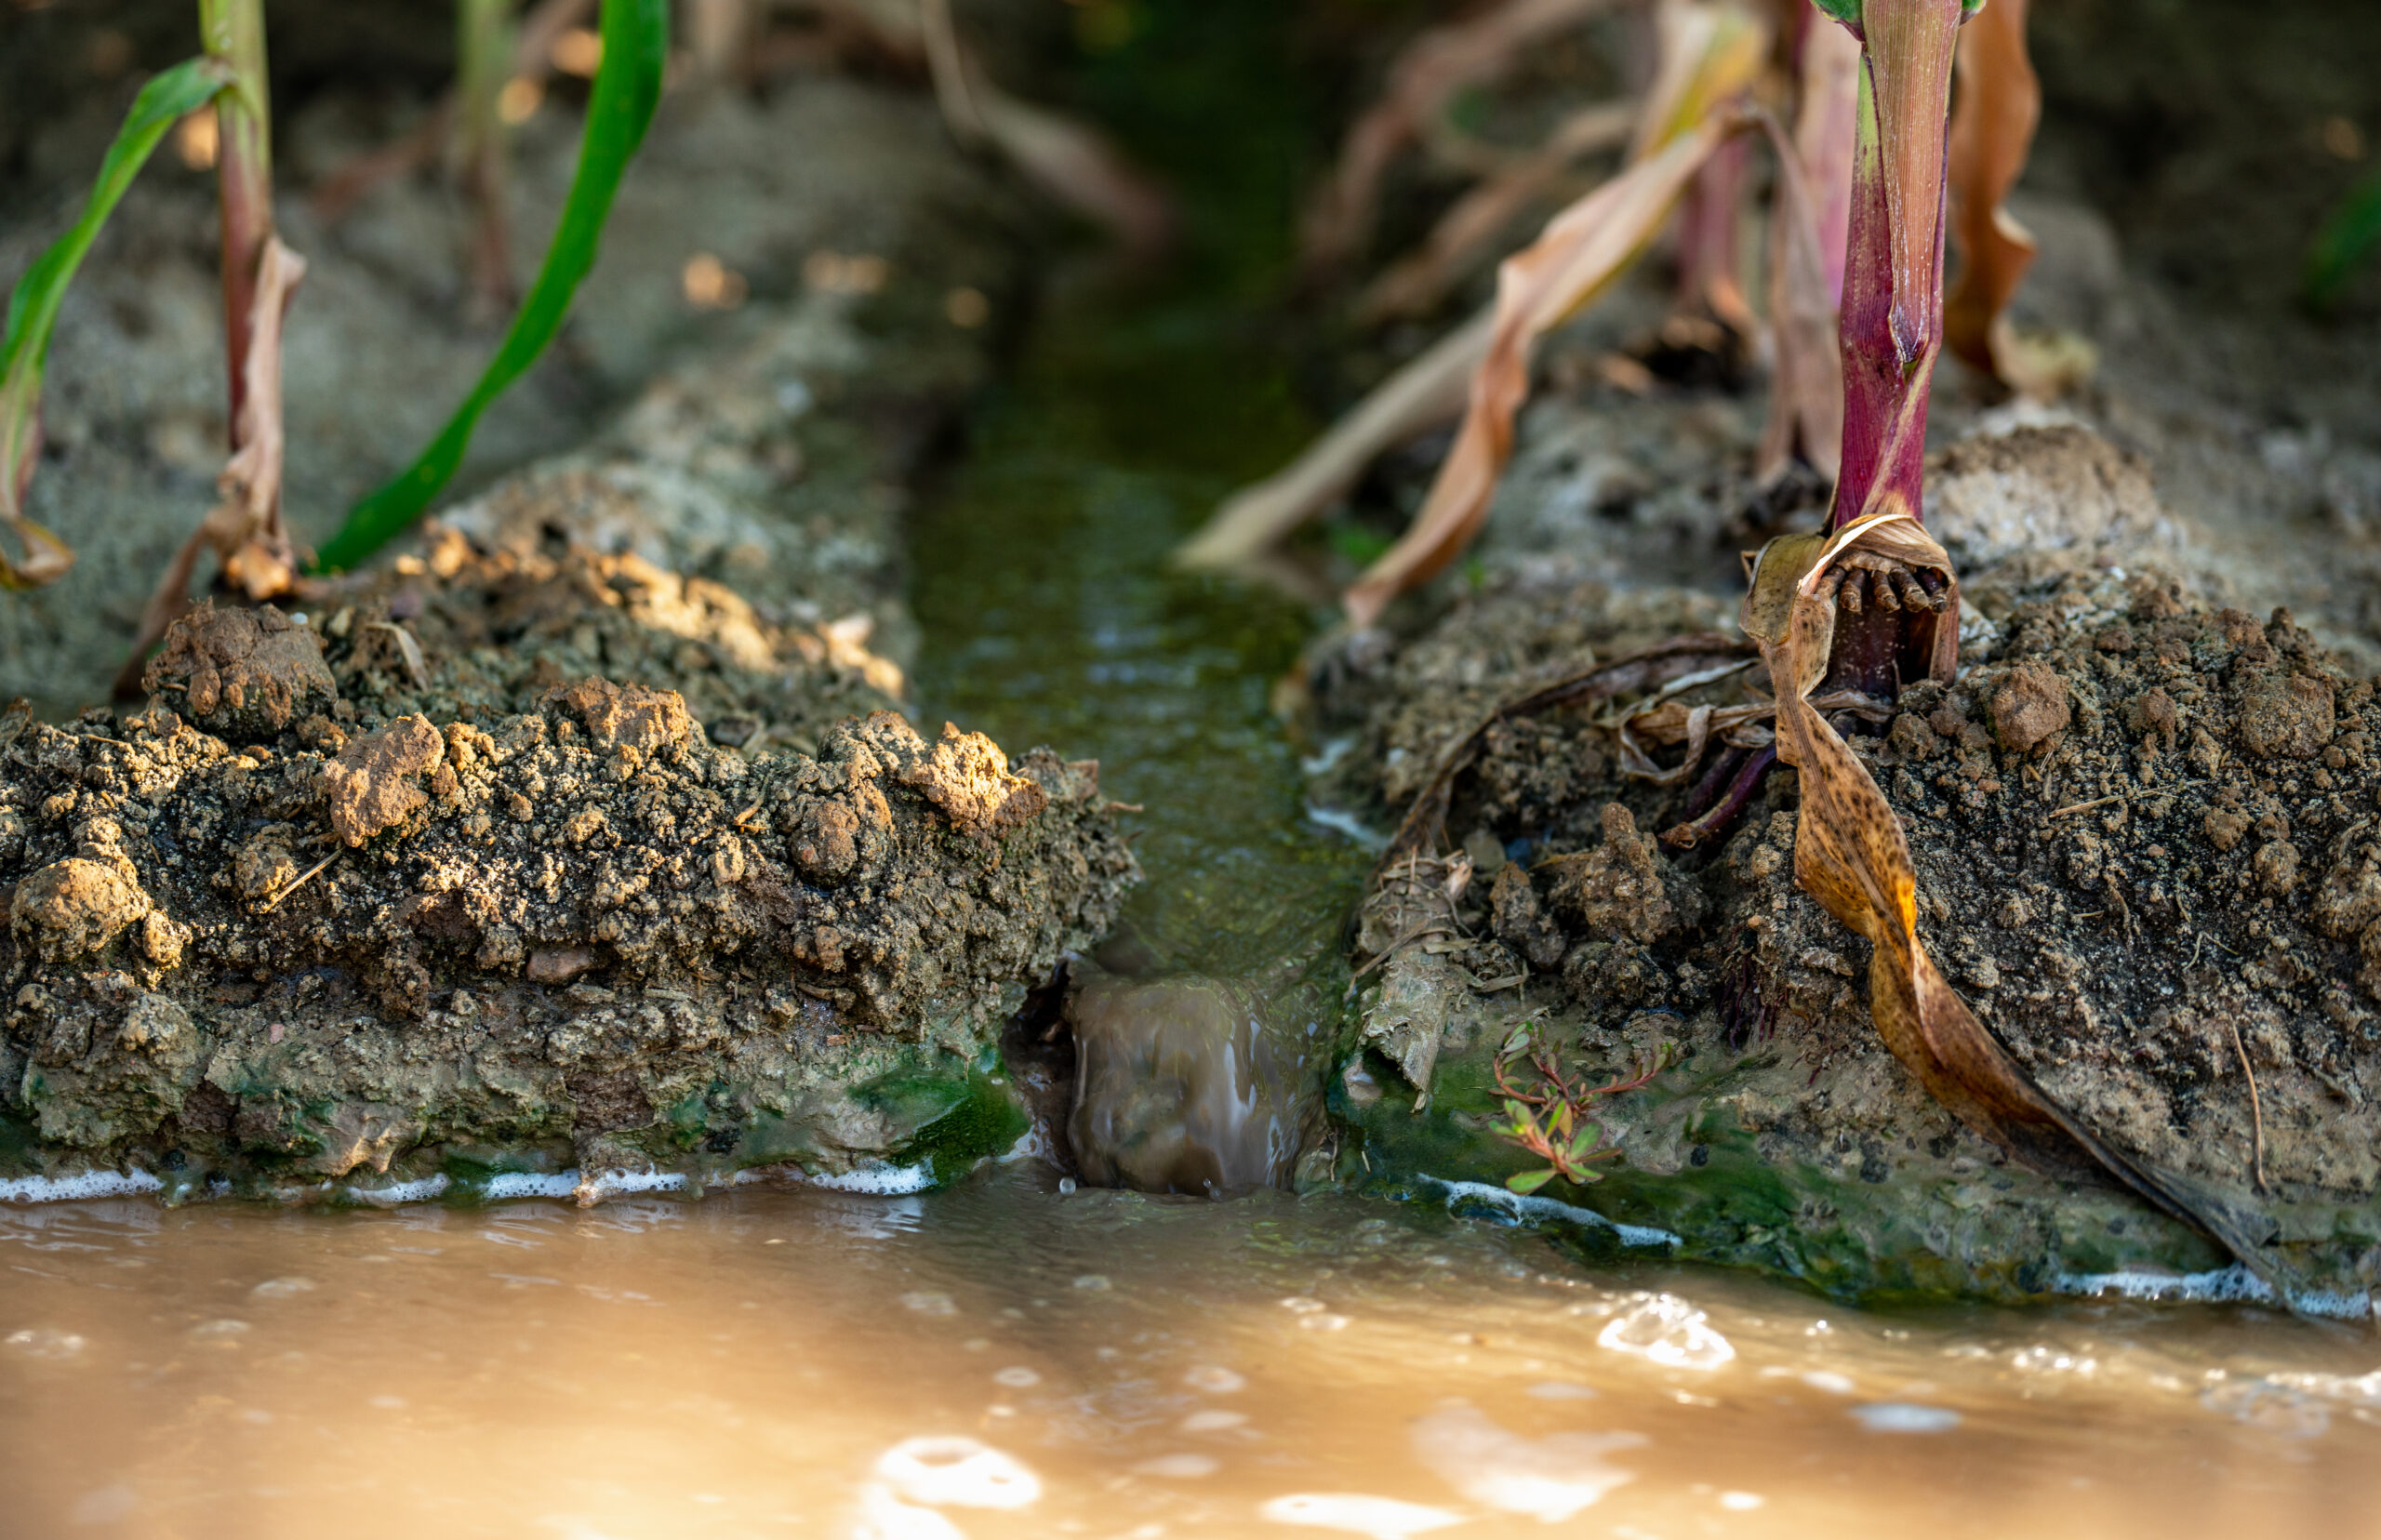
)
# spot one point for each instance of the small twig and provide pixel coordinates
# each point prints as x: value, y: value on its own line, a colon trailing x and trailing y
x: 747, y: 813
x: 2087, y: 806
x: 2257, y: 1109
x: 274, y: 902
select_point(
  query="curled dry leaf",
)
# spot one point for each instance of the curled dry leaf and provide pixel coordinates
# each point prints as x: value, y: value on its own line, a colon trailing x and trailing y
x: 1807, y: 384
x: 1431, y: 69
x: 1992, y: 129
x: 1415, y: 284
x: 1851, y: 855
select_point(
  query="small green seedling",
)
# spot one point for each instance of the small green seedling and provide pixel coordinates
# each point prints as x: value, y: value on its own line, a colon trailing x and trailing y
x: 1553, y: 1118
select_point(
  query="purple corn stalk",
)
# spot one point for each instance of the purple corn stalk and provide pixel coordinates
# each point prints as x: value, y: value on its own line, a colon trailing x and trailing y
x: 1893, y: 292
x: 233, y: 32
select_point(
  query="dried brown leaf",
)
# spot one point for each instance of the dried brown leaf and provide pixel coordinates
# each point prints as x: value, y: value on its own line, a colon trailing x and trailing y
x: 1431, y: 69
x: 1428, y: 392
x: 1418, y: 282
x: 1807, y: 385
x: 1582, y: 251
x: 1851, y: 855
x: 1992, y: 129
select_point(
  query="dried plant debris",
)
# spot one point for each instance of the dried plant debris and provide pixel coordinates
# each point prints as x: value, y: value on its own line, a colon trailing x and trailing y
x: 490, y: 907
x: 2140, y: 827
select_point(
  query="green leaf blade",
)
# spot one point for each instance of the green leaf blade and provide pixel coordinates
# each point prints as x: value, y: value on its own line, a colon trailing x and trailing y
x: 1530, y: 1181
x: 35, y: 303
x: 627, y: 89
x: 2349, y: 238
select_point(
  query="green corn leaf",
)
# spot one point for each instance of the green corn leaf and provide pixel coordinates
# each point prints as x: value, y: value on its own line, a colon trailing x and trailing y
x: 1530, y: 1181
x: 2349, y: 239
x: 33, y: 304
x: 627, y: 87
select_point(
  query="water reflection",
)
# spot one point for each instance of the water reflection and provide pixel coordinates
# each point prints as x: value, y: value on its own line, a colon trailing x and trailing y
x: 1007, y: 1361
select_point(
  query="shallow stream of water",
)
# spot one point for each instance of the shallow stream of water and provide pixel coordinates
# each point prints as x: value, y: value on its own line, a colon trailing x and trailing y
x: 1008, y: 1359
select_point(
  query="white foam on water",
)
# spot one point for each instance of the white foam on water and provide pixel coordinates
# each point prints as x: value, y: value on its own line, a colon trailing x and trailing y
x: 1358, y: 1513
x: 85, y: 1184
x: 1905, y: 1418
x: 957, y: 1472
x: 1548, y: 1208
x: 883, y: 1181
x: 530, y: 1184
x: 2232, y: 1285
x: 1180, y: 1467
x: 419, y: 1191
x: 1348, y: 824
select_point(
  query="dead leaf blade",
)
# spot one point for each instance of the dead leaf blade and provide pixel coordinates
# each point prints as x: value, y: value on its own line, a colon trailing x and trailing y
x: 1582, y: 250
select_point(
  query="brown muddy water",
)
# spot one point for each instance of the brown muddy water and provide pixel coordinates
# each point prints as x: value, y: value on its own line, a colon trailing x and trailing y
x: 1007, y: 1359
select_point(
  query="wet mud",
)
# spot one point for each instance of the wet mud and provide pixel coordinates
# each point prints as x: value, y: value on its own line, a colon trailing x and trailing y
x: 2142, y: 828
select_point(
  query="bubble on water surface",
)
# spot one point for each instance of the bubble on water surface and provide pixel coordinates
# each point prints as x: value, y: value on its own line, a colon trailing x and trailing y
x: 1093, y: 1283
x: 1547, y: 1479
x: 1669, y: 1330
x: 1561, y: 1390
x: 1905, y: 1418
x: 1214, y: 1379
x: 930, y: 1302
x: 281, y: 1288
x: 42, y: 1342
x: 1214, y: 1421
x: 957, y: 1472
x: 219, y: 1331
x: 1016, y: 1377
x: 106, y: 1505
x: 1181, y: 1466
x: 1829, y: 1381
x: 1358, y: 1513
x: 2275, y: 1407
x: 886, y: 1517
x: 1742, y: 1502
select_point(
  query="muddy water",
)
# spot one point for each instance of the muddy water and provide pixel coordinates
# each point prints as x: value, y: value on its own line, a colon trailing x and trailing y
x: 1007, y: 1360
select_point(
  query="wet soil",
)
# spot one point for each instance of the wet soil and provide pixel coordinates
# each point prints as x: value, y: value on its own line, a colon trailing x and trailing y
x: 2141, y: 829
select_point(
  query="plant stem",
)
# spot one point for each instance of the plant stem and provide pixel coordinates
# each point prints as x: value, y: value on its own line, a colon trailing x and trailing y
x: 484, y: 46
x: 1893, y: 288
x: 234, y: 33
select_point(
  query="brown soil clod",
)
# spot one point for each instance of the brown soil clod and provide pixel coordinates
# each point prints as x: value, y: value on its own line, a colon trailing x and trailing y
x: 244, y: 675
